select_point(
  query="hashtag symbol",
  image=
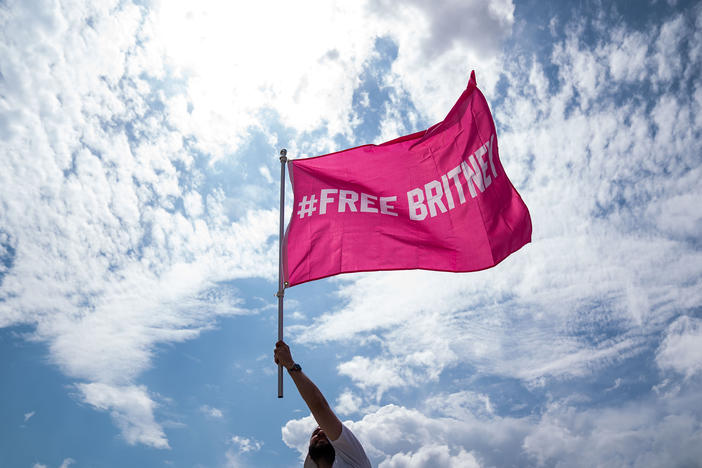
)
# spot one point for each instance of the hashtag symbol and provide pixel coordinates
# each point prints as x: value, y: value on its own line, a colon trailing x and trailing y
x: 307, y: 206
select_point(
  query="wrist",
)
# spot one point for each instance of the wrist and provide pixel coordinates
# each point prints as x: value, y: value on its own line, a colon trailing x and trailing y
x: 294, y: 367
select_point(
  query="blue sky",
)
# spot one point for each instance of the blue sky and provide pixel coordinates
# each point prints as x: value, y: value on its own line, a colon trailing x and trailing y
x: 138, y: 234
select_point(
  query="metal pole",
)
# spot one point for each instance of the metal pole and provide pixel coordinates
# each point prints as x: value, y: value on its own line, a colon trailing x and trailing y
x: 281, y: 285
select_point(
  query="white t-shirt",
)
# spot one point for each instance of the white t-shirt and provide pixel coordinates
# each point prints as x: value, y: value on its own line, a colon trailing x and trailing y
x: 349, y: 452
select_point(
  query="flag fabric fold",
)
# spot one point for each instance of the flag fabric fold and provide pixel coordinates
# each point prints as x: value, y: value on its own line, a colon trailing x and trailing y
x: 438, y: 199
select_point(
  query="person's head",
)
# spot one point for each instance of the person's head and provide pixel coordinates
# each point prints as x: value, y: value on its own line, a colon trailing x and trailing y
x: 320, y: 447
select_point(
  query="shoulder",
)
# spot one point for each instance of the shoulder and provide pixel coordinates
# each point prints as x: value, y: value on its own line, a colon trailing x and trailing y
x: 349, y: 449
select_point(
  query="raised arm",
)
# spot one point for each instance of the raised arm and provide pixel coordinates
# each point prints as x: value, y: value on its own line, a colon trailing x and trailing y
x: 320, y: 409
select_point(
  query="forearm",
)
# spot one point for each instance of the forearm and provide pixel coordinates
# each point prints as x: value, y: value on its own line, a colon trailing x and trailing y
x: 309, y: 392
x: 318, y: 405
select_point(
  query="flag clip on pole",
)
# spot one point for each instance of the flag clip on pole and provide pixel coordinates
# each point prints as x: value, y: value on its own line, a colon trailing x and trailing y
x: 281, y: 285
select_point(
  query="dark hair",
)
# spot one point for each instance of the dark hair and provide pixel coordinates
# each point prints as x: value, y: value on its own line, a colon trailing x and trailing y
x: 322, y: 452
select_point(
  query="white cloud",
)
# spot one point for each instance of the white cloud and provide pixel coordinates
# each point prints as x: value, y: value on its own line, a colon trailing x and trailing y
x: 438, y: 45
x: 309, y: 82
x: 28, y: 416
x: 211, y: 412
x: 463, y: 404
x: 297, y: 432
x: 233, y: 460
x: 5, y: 253
x: 627, y: 56
x: 651, y: 433
x: 132, y: 410
x: 462, y: 430
x: 381, y: 374
x: 245, y: 444
x: 401, y: 436
x: 429, y: 456
x: 614, y: 270
x: 266, y: 173
x: 105, y: 265
x: 348, y: 403
x: 113, y: 116
x: 611, y: 189
x: 681, y: 349
x: 67, y: 462
x: 193, y: 204
x: 119, y: 244
x: 667, y: 45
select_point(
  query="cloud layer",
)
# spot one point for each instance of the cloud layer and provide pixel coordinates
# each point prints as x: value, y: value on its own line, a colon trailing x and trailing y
x: 111, y: 241
x: 129, y: 198
x: 609, y: 266
x: 602, y: 140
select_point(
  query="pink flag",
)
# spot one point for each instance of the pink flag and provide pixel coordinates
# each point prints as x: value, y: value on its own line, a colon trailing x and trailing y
x: 435, y: 200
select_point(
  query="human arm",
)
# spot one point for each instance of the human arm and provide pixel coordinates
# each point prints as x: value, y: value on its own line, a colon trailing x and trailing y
x: 320, y: 409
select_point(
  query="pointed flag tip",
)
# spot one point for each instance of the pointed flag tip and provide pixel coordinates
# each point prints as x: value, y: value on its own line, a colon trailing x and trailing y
x: 471, y: 81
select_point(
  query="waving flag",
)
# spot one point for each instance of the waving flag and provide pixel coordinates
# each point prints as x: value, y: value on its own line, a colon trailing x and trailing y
x: 435, y: 200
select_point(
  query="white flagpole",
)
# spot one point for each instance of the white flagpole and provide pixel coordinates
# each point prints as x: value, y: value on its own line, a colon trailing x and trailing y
x: 281, y: 285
